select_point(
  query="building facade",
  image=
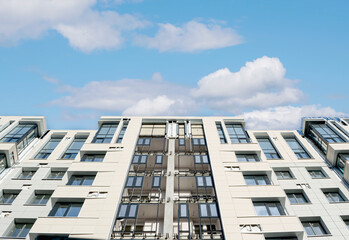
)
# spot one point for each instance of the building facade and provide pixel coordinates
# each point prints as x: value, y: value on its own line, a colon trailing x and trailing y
x: 174, y: 178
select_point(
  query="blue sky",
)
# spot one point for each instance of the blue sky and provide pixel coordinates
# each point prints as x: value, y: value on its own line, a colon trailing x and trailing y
x: 271, y: 62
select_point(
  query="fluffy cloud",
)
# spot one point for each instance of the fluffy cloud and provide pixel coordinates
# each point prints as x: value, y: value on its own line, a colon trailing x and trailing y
x: 259, y: 84
x: 190, y: 37
x: 85, y: 28
x: 285, y: 117
x: 130, y: 96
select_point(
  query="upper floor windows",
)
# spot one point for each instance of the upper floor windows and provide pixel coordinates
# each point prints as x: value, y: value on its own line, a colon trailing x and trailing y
x: 144, y: 141
x: 334, y: 196
x: 269, y: 209
x: 342, y: 158
x: 23, y: 134
x: 317, y: 173
x: 297, y: 148
x: 46, y: 151
x: 20, y: 229
x: 66, y: 209
x: 247, y: 158
x: 208, y: 210
x: 26, y: 174
x: 93, y: 158
x: 200, y: 159
x: 123, y: 131
x: 3, y: 162
x: 128, y: 211
x: 134, y: 181
x: 8, y: 196
x: 204, y: 181
x: 297, y: 197
x: 237, y: 133
x: 140, y: 159
x: 284, y: 174
x: 268, y: 148
x: 81, y: 180
x: 199, y: 141
x: 56, y: 175
x: 74, y: 147
x: 314, y: 228
x: 105, y: 133
x: 221, y: 133
x: 257, y: 180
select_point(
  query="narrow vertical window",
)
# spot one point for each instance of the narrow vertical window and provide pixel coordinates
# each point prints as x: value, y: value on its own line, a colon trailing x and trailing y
x: 268, y: 148
x: 297, y: 148
x: 123, y: 131
x: 46, y: 151
x: 74, y: 147
x: 221, y: 133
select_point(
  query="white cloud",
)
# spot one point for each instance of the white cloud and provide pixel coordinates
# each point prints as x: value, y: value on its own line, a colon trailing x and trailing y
x: 191, y: 36
x: 86, y: 28
x: 259, y: 84
x: 285, y: 117
x: 130, y: 96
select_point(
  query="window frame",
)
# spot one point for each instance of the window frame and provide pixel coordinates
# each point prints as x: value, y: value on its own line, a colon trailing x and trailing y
x: 108, y: 136
x: 98, y: 157
x: 268, y: 155
x: 267, y: 205
x: 71, y: 153
x: 208, y: 210
x: 69, y: 205
x: 46, y: 150
x: 234, y: 136
x: 300, y: 147
x: 84, y: 178
x: 265, y: 177
x: 246, y: 157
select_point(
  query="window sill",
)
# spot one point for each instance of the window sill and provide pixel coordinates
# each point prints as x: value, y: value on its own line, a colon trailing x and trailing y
x: 20, y: 179
x: 324, y: 235
x: 51, y: 179
x: 29, y: 204
x: 6, y: 204
x: 300, y: 204
x: 287, y: 179
x: 338, y: 202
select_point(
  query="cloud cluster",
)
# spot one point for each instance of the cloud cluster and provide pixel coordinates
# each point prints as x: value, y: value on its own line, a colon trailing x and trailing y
x: 192, y: 36
x: 87, y: 28
x: 259, y: 89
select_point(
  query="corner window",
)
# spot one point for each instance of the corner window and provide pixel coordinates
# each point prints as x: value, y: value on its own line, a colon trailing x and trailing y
x: 3, y: 162
x: 342, y: 158
x: 268, y: 148
x: 66, y: 209
x: 221, y: 133
x: 269, y: 209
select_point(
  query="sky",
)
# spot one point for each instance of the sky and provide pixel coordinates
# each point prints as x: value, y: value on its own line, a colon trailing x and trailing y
x: 271, y: 62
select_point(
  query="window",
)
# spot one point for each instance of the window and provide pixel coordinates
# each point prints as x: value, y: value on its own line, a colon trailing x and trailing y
x: 257, y: 180
x: 26, y: 175
x: 221, y: 133
x: 317, y: 174
x: 123, y: 131
x: 74, y: 147
x: 128, y: 211
x: 159, y: 159
x: 20, y: 230
x: 200, y: 159
x: 281, y: 238
x: 183, y: 210
x: 23, y: 134
x: 268, y: 209
x: 314, y: 228
x: 204, y: 181
x: 55, y: 175
x: 208, y: 210
x: 283, y: 175
x: 46, y: 151
x: 133, y: 181
x: 66, y: 209
x: 3, y: 162
x: 156, y: 182
x: 8, y: 196
x: 93, y: 158
x: 334, y: 196
x: 140, y: 159
x: 268, y: 148
x: 327, y: 133
x: 346, y: 220
x: 237, y: 133
x: 105, y: 133
x: 199, y: 141
x: 297, y: 197
x: 40, y: 198
x: 81, y: 180
x: 297, y: 148
x: 181, y: 141
x: 342, y: 158
x: 247, y: 158
x: 144, y: 141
